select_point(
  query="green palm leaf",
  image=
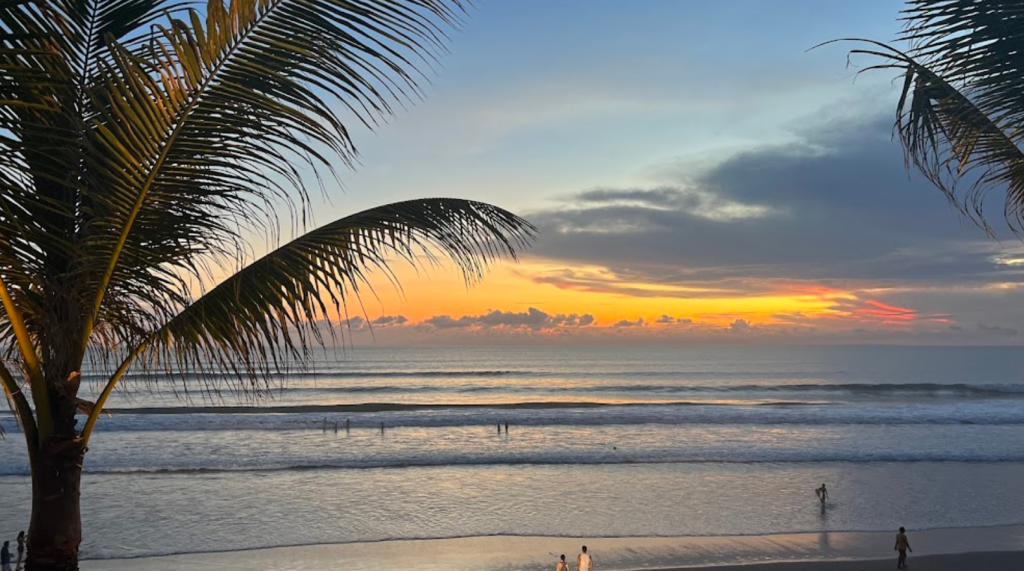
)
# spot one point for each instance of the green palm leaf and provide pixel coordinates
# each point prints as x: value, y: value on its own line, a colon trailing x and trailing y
x: 214, y: 116
x: 960, y: 116
x: 269, y: 312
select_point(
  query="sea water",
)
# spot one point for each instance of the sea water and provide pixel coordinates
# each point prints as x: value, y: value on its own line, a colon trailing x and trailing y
x: 602, y: 442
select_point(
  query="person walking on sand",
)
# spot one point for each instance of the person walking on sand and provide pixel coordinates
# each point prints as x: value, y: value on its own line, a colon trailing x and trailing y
x: 822, y: 494
x: 562, y: 565
x: 584, y: 562
x: 5, y: 557
x: 903, y: 546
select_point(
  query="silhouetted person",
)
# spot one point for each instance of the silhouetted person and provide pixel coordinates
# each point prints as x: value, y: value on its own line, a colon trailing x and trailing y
x: 584, y: 562
x: 5, y: 557
x: 822, y: 494
x: 382, y: 428
x: 903, y: 546
x: 335, y: 427
x: 562, y: 565
x: 499, y: 428
x: 21, y: 544
x: 506, y: 427
x: 348, y: 425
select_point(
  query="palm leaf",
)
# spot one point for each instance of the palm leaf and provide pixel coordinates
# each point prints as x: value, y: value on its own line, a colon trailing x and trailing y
x: 960, y: 117
x: 268, y: 313
x: 203, y: 128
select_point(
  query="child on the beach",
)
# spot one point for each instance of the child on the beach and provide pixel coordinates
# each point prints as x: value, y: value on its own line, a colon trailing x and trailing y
x: 903, y: 546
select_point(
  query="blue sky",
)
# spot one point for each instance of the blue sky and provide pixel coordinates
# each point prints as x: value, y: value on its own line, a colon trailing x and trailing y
x: 691, y: 161
x: 541, y: 98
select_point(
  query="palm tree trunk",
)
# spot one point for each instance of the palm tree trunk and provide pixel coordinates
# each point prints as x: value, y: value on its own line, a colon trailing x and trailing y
x: 56, y: 528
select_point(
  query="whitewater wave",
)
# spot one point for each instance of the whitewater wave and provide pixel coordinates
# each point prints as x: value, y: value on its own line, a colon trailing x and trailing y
x: 732, y: 457
x: 557, y: 414
x: 315, y: 385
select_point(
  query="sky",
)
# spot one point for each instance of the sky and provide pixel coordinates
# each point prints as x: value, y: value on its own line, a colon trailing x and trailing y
x: 697, y: 175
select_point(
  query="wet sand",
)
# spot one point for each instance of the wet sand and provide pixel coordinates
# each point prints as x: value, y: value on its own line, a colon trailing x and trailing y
x: 994, y: 549
x: 993, y: 561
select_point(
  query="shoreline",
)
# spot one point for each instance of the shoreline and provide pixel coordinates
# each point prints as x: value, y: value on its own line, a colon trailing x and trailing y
x: 1000, y: 547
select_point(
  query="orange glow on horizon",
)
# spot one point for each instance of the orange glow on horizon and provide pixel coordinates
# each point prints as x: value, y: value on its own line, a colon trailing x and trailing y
x: 610, y: 299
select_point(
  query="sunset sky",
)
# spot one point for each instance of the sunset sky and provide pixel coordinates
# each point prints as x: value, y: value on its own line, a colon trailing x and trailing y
x: 696, y: 175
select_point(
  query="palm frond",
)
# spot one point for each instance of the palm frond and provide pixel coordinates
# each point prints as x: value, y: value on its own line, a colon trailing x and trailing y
x: 960, y: 117
x: 217, y: 120
x: 268, y: 313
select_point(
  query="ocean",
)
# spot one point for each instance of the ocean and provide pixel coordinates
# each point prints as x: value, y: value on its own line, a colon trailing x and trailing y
x: 602, y: 442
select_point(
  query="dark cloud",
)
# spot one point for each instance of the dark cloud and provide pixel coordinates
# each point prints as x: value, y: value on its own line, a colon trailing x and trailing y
x: 572, y: 320
x: 386, y: 320
x: 533, y: 318
x: 837, y: 204
x: 997, y: 330
x: 447, y: 322
x: 740, y: 326
x: 354, y: 323
x: 627, y: 323
x: 669, y: 320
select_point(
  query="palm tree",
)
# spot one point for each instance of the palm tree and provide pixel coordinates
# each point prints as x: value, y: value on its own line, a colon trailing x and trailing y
x: 142, y: 144
x: 960, y: 116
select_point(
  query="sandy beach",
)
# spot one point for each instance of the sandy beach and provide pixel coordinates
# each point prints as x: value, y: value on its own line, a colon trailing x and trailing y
x: 992, y: 561
x: 995, y: 548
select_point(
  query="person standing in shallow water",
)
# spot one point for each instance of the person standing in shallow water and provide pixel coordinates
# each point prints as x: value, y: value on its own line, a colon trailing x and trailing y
x: 822, y: 494
x: 21, y: 549
x: 562, y: 565
x: 584, y: 562
x: 5, y: 557
x: 903, y: 546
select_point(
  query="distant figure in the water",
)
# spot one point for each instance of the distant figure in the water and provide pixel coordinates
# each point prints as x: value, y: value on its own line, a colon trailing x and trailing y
x: 348, y: 425
x: 506, y: 427
x: 903, y: 546
x: 382, y: 428
x: 5, y: 557
x: 562, y: 565
x: 499, y: 428
x: 584, y: 562
x: 822, y: 494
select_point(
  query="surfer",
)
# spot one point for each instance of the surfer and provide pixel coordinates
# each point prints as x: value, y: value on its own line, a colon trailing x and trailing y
x: 822, y: 494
